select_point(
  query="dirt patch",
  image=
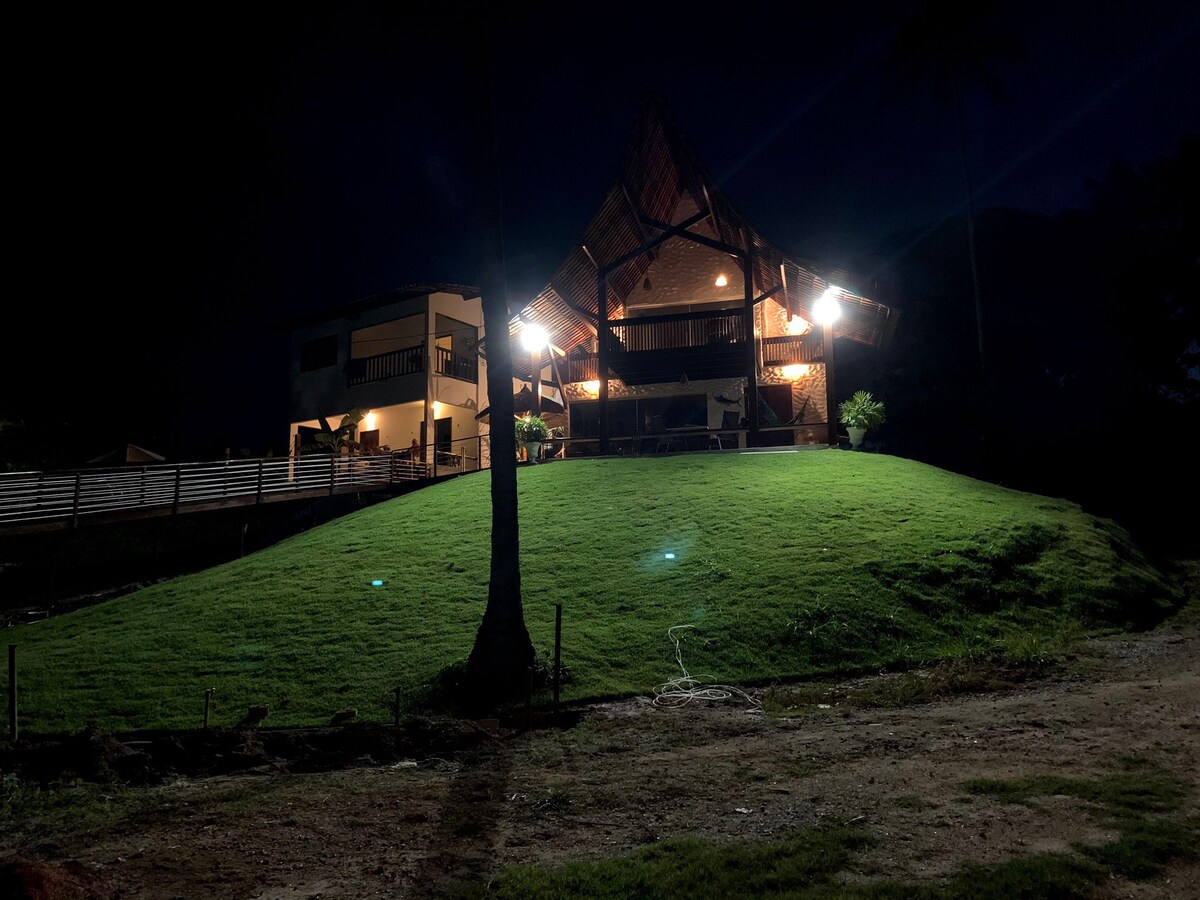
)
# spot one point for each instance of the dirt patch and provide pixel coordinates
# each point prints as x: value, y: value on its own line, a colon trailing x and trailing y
x: 427, y: 819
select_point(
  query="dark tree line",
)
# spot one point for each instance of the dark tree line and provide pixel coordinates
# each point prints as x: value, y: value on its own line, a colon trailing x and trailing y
x: 1093, y: 324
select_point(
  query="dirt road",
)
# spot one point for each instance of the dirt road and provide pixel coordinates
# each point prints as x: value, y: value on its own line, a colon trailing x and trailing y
x: 631, y: 773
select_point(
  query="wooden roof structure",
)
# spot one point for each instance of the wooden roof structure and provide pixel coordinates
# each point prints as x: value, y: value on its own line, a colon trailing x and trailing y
x: 660, y: 170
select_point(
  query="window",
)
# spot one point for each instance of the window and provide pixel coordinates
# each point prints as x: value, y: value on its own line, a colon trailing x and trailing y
x: 319, y: 353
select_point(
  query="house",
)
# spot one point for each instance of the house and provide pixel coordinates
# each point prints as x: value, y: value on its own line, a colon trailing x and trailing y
x: 673, y: 324
x: 674, y: 319
x: 408, y: 361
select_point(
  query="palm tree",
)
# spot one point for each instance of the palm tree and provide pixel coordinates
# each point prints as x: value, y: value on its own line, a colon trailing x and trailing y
x: 951, y: 44
x: 499, y: 662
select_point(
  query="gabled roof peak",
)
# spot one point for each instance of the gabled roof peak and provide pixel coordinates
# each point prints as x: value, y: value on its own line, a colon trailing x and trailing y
x: 660, y: 168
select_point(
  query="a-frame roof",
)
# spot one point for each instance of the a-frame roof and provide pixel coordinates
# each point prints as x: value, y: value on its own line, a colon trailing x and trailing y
x: 660, y: 168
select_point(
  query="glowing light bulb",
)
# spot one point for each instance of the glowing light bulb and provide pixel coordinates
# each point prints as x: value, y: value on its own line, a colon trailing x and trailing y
x: 827, y: 309
x: 533, y: 337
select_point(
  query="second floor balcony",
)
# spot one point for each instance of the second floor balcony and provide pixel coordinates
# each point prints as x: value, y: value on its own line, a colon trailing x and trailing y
x: 703, y: 345
x: 411, y: 361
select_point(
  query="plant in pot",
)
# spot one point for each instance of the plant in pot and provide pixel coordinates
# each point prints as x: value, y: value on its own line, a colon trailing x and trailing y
x: 859, y: 414
x: 532, y: 432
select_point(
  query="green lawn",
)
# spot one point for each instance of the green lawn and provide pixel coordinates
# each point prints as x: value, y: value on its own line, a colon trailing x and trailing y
x: 786, y: 564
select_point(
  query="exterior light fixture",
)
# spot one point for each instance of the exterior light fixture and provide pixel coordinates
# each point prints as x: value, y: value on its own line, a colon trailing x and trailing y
x: 827, y: 309
x: 721, y: 280
x: 378, y: 582
x: 669, y: 555
x: 533, y: 337
x: 592, y: 387
x: 369, y: 422
x: 795, y: 372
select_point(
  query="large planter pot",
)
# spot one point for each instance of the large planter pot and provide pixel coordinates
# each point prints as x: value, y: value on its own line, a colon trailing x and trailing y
x: 856, y: 436
x: 532, y: 448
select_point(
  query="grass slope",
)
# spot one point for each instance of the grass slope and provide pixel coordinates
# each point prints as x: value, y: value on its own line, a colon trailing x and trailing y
x: 785, y: 564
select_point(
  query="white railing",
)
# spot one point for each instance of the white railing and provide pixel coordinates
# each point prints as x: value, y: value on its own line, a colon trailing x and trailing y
x: 33, y: 498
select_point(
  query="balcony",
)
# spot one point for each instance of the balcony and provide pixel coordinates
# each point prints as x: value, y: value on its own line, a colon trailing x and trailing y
x: 653, y: 349
x: 447, y: 362
x: 411, y: 361
x: 793, y: 349
x: 394, y: 363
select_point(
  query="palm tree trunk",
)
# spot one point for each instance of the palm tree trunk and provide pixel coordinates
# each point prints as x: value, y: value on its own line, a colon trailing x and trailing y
x: 498, y: 666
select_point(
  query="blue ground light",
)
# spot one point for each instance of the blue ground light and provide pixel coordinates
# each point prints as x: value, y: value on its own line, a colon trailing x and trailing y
x: 377, y: 583
x: 669, y: 555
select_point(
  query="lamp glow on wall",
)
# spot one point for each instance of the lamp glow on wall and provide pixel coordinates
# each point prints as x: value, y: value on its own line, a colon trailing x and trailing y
x: 369, y: 421
x: 797, y: 325
x: 721, y: 281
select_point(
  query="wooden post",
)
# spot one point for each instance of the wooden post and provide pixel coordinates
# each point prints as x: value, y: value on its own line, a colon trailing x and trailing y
x: 208, y: 692
x: 535, y: 380
x: 557, y: 653
x: 827, y: 355
x: 178, y: 485
x: 13, y: 730
x: 602, y: 356
x: 258, y: 493
x: 332, y: 471
x: 751, y: 350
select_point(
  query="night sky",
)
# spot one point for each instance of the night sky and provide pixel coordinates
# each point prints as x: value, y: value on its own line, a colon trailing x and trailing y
x: 183, y: 186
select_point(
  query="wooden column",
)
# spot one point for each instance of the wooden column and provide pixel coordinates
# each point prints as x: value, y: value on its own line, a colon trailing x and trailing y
x: 535, y: 381
x: 751, y: 350
x: 827, y: 356
x: 602, y: 355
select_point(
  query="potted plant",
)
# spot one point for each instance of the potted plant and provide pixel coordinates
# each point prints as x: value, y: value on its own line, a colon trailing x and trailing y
x: 860, y: 413
x: 532, y: 431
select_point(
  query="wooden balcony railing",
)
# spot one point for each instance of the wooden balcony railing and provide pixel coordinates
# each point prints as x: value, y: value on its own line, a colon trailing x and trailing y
x: 446, y: 362
x: 678, y: 332
x: 392, y: 364
x: 714, y: 330
x: 583, y: 367
x: 791, y: 349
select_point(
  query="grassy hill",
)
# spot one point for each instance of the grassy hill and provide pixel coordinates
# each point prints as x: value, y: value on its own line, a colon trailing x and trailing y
x: 785, y: 564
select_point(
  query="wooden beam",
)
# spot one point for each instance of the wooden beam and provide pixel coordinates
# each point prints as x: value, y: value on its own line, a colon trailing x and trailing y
x: 588, y: 317
x: 562, y: 390
x: 771, y: 293
x: 751, y: 349
x: 712, y: 211
x: 678, y: 231
x: 637, y: 218
x: 602, y: 357
x: 669, y: 231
